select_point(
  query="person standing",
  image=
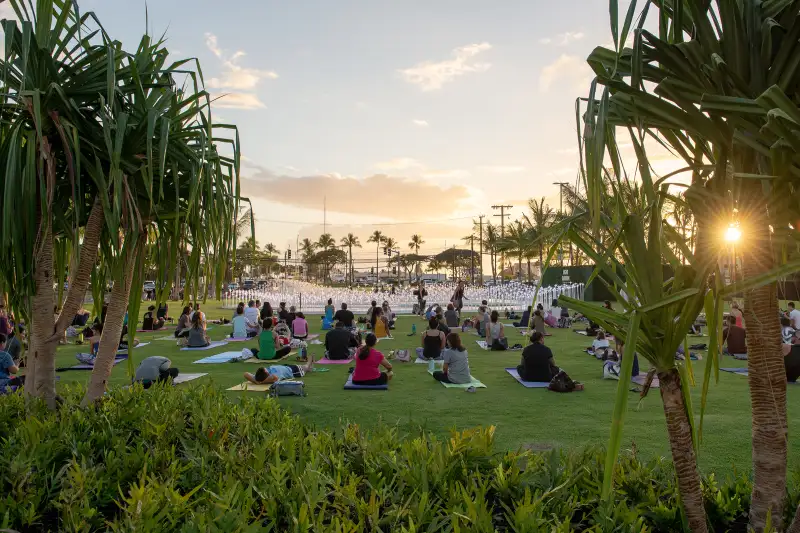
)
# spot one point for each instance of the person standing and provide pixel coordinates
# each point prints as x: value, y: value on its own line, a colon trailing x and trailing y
x: 458, y: 296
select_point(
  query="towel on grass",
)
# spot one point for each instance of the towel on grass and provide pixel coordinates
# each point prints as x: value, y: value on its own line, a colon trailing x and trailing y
x: 641, y: 379
x: 527, y: 384
x: 215, y: 344
x: 183, y: 378
x: 474, y: 383
x: 224, y: 357
x: 252, y: 387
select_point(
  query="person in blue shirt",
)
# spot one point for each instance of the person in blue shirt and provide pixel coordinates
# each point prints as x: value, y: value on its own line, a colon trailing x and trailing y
x: 276, y: 373
x: 8, y: 367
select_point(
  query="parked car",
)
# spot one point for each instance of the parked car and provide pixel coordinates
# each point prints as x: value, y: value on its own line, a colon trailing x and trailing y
x: 248, y: 284
x: 149, y: 286
x: 233, y: 286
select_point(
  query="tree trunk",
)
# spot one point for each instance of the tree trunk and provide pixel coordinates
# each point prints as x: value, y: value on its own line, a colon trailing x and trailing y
x: 41, y: 369
x: 112, y: 328
x: 795, y: 527
x: 767, y: 378
x: 79, y: 281
x: 680, y: 439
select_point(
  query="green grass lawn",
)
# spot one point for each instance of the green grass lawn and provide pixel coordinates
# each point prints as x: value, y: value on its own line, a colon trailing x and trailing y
x: 523, y: 417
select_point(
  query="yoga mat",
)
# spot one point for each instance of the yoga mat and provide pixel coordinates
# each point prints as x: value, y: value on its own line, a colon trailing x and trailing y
x: 224, y: 357
x: 314, y: 341
x: 580, y: 332
x: 422, y: 361
x: 166, y: 338
x: 266, y: 361
x: 349, y: 385
x: 741, y: 370
x: 183, y: 378
x: 215, y: 344
x: 237, y: 339
x: 326, y: 361
x: 252, y: 387
x: 117, y: 361
x: 475, y: 383
x: 641, y: 379
x: 527, y: 384
x: 312, y: 337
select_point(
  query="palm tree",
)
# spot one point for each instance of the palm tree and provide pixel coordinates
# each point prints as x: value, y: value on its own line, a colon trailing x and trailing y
x: 350, y: 241
x: 541, y: 217
x: 414, y: 244
x: 307, y: 249
x: 434, y: 265
x: 325, y: 243
x: 732, y: 136
x: 491, y: 238
x: 517, y: 241
x: 376, y: 237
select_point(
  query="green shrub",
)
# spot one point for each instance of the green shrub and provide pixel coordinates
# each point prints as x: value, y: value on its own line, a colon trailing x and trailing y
x: 191, y: 460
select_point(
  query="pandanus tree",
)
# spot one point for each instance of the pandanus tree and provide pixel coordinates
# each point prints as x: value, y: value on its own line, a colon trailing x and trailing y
x: 414, y: 244
x: 377, y: 237
x: 718, y: 86
x: 167, y: 161
x: 57, y: 80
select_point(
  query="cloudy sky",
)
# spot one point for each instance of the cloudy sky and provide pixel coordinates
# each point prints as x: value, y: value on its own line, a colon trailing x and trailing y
x: 407, y: 116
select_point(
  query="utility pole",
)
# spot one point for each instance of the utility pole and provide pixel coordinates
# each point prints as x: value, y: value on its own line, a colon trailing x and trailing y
x: 480, y: 243
x: 502, y: 216
x: 561, y: 185
x: 472, y: 257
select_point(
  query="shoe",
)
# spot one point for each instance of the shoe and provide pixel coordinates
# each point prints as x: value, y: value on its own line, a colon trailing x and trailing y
x: 470, y: 389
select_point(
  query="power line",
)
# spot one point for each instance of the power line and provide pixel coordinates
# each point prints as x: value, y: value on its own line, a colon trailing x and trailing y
x: 369, y: 224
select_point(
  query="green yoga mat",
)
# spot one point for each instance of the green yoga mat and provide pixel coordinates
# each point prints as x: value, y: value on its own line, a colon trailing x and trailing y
x: 474, y: 383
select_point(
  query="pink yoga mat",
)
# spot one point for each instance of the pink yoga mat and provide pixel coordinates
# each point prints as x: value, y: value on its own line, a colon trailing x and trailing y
x: 326, y: 361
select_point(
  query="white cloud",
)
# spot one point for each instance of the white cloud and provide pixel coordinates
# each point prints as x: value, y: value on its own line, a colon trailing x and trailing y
x: 502, y: 169
x: 237, y: 82
x: 563, y: 39
x: 568, y: 69
x: 237, y: 101
x: 398, y: 163
x: 430, y: 75
x: 420, y: 123
x: 568, y: 151
x: 448, y: 173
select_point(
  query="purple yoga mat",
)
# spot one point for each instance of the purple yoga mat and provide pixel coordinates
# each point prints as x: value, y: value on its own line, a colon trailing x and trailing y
x: 117, y: 361
x: 641, y: 379
x: 326, y: 361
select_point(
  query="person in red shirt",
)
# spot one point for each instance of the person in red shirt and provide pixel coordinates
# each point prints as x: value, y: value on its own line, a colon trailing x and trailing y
x: 368, y: 363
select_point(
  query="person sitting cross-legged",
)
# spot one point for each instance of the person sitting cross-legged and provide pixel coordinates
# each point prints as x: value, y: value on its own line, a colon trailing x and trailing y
x: 451, y: 316
x: 537, y: 361
x: 184, y: 323
x: 149, y: 323
x: 344, y: 316
x: 239, y: 323
x: 8, y: 368
x: 340, y: 343
x: 368, y: 361
x: 198, y: 338
x: 433, y: 340
x: 455, y: 368
x: 300, y: 326
x: 154, y: 369
x: 524, y: 322
x: 269, y: 346
x: 496, y: 334
x: 275, y: 373
x: 734, y: 338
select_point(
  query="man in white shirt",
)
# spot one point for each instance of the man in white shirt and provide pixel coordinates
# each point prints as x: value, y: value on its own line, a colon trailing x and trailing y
x: 251, y: 315
x: 794, y: 316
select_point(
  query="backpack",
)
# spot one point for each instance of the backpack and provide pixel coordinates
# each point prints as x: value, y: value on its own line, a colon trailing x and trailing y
x: 611, y: 370
x: 402, y: 356
x: 287, y: 388
x: 561, y: 382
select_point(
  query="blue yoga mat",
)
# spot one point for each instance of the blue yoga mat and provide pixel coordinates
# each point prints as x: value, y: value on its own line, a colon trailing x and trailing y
x: 351, y: 386
x: 527, y: 384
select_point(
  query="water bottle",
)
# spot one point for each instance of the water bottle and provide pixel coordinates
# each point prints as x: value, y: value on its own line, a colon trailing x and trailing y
x: 413, y: 329
x: 431, y: 365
